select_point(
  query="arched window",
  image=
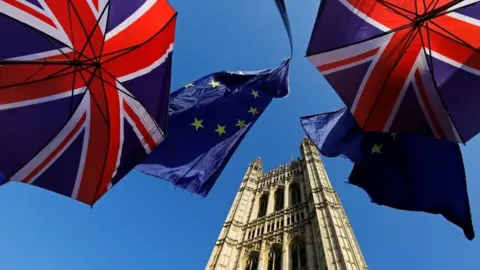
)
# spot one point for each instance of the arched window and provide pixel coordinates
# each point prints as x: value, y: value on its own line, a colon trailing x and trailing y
x: 295, y: 193
x: 279, y: 199
x: 275, y: 259
x: 299, y: 255
x: 262, y: 207
x: 252, y: 262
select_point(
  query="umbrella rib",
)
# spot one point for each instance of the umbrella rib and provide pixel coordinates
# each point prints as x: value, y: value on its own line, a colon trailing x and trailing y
x: 51, y: 76
x: 455, y: 38
x: 128, y: 94
x: 429, y: 45
x: 443, y: 10
x: 122, y: 91
x: 90, y: 36
x: 54, y: 46
x: 87, y: 84
x: 127, y: 50
x: 73, y: 90
x: 435, y: 84
x: 36, y: 62
x: 106, y: 26
x: 104, y: 92
x: 410, y: 39
x: 108, y: 146
x: 42, y: 33
x: 111, y: 84
x: 430, y: 5
x: 71, y: 29
x: 110, y: 53
x: 87, y: 42
x: 394, y: 8
x: 367, y: 39
x: 424, y: 4
x: 33, y: 75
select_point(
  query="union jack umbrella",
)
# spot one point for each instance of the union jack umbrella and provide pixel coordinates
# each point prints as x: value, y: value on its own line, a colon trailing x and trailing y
x: 410, y: 66
x: 84, y: 89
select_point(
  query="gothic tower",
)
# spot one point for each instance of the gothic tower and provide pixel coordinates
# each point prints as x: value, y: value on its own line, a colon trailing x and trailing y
x: 288, y: 218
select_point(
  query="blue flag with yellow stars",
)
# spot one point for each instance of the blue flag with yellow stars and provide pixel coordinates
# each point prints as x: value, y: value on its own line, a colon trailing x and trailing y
x: 400, y: 171
x: 207, y: 121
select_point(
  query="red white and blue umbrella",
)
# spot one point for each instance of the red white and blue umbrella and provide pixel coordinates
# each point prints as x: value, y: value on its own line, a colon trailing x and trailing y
x: 406, y: 66
x: 84, y: 89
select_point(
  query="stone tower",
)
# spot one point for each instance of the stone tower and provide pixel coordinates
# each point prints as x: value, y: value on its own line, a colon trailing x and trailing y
x: 288, y: 218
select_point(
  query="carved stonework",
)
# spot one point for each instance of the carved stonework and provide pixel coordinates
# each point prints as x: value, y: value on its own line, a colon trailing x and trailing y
x: 274, y: 239
x: 298, y: 231
x: 253, y: 247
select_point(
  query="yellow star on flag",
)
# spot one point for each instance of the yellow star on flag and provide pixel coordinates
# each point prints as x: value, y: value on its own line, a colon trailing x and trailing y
x: 240, y: 123
x: 255, y: 94
x: 253, y: 111
x: 220, y: 129
x: 214, y: 83
x: 189, y: 85
x: 197, y: 123
x: 377, y: 149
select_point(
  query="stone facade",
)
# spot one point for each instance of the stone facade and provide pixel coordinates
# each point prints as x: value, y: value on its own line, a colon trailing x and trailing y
x: 288, y: 218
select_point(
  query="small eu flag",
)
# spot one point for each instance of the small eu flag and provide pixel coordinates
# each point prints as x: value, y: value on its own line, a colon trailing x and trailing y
x: 399, y: 171
x: 208, y: 119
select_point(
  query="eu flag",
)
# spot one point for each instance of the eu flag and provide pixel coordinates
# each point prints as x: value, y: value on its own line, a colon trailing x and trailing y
x: 400, y: 171
x: 208, y: 119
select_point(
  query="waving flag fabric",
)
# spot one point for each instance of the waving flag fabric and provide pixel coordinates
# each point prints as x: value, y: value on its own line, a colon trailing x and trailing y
x: 208, y: 120
x: 282, y: 8
x: 84, y: 90
x: 399, y: 171
x: 335, y: 134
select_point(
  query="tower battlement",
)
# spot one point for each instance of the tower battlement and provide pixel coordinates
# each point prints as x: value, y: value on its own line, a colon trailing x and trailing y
x: 282, y: 169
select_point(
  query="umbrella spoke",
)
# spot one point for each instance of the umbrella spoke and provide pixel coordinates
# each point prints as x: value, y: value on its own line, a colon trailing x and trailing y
x: 19, y: 91
x: 434, y: 115
x: 115, y: 83
x: 455, y: 50
x: 93, y: 33
x: 398, y: 9
x: 461, y: 35
x: 391, y: 79
x: 96, y: 101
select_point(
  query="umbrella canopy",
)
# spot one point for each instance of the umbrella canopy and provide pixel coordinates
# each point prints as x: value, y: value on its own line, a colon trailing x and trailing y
x: 409, y: 66
x: 84, y: 89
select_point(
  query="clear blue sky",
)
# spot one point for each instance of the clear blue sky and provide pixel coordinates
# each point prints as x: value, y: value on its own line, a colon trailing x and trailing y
x: 144, y: 223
